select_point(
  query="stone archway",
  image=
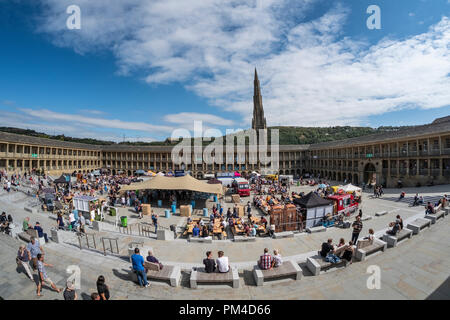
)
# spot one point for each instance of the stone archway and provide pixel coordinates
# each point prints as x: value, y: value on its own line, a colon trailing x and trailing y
x: 370, y: 173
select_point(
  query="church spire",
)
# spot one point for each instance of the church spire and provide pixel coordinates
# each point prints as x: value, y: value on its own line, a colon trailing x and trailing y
x: 258, y: 121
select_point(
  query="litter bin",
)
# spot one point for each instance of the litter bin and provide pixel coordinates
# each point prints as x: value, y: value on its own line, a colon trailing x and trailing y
x: 193, y: 204
x: 112, y: 211
x: 167, y: 213
x: 174, y: 208
x: 124, y: 220
x: 215, y: 198
x: 159, y: 203
x: 205, y: 212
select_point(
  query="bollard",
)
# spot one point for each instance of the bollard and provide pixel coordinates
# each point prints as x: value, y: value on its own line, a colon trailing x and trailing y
x: 205, y: 212
x: 167, y: 213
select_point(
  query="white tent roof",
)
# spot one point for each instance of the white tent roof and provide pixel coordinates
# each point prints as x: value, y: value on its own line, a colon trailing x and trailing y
x: 350, y: 188
x: 186, y: 182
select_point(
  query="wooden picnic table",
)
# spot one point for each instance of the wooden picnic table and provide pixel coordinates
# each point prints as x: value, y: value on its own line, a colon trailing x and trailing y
x: 261, y: 229
x: 255, y: 220
x: 238, y: 229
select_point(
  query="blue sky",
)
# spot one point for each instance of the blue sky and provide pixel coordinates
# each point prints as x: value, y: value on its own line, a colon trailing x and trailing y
x: 141, y: 69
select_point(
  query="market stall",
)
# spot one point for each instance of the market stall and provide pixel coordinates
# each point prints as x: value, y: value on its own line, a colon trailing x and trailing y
x: 314, y: 208
x: 86, y: 205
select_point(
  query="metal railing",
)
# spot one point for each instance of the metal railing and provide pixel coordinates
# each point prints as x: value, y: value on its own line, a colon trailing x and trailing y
x: 145, y: 229
x: 126, y: 230
x: 111, y: 247
x: 86, y: 237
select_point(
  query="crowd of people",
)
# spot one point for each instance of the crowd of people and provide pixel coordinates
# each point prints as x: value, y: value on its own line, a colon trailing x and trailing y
x: 31, y: 258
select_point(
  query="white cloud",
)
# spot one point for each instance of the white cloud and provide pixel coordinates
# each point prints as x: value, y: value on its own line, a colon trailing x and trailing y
x: 310, y: 74
x: 29, y: 120
x: 95, y: 122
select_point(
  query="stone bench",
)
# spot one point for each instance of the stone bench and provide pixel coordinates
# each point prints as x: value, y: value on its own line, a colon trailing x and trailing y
x: 380, y: 213
x: 317, y: 263
x: 200, y: 240
x: 367, y: 247
x: 26, y: 236
x: 287, y: 269
x: 31, y: 210
x: 167, y: 273
x: 244, y: 239
x: 316, y: 229
x: 284, y: 234
x: 61, y: 236
x: 164, y: 234
x: 435, y: 216
x: 418, y: 225
x: 392, y: 241
x: 198, y: 275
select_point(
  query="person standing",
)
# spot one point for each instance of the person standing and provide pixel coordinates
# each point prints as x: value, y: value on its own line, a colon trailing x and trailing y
x: 138, y: 266
x: 357, y: 227
x: 42, y: 275
x: 72, y: 220
x: 60, y: 221
x: 155, y: 221
x: 102, y: 288
x: 23, y: 259
x: 34, y: 248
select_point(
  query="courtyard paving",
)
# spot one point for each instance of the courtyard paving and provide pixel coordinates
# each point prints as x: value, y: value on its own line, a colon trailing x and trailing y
x: 416, y: 269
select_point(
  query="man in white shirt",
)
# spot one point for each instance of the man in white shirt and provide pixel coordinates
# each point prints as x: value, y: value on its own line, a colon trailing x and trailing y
x: 72, y: 219
x: 277, y: 260
x: 222, y: 263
